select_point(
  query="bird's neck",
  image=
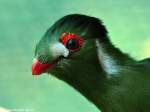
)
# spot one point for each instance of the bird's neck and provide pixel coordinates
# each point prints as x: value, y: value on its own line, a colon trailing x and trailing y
x: 95, y: 76
x: 89, y: 79
x: 112, y: 61
x: 111, y: 58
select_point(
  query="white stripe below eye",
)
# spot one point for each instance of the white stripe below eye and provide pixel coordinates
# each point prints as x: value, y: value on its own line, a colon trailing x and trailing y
x: 58, y: 49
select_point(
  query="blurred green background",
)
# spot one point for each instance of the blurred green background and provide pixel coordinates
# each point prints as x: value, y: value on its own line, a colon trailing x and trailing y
x: 23, y: 22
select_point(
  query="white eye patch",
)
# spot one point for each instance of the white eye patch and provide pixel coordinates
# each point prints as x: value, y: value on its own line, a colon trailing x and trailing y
x: 58, y: 49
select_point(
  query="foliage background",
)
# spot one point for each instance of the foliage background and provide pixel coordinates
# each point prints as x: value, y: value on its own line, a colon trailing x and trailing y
x: 23, y: 22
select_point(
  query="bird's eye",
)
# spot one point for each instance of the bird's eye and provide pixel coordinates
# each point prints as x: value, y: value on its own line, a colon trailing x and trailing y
x: 73, y: 44
x: 72, y: 41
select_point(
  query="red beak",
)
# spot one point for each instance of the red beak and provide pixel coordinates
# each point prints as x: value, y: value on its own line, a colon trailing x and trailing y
x: 39, y: 68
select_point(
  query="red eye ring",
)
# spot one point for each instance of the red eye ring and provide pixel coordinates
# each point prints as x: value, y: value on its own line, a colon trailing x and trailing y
x: 66, y: 37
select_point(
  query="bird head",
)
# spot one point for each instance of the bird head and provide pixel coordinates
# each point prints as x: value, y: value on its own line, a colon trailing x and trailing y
x: 68, y: 46
x: 77, y: 50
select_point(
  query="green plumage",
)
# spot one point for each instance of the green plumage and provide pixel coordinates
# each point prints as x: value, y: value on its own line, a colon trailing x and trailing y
x: 127, y: 90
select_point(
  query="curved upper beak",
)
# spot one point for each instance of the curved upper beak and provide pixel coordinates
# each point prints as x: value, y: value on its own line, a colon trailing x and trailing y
x: 38, y: 68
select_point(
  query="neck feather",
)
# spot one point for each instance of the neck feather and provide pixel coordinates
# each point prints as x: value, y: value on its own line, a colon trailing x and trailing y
x: 111, y: 59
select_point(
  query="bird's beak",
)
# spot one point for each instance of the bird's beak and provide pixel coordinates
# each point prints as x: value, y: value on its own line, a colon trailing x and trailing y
x: 39, y: 68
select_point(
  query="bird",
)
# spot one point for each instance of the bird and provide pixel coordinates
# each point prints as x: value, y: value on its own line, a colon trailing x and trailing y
x: 77, y: 49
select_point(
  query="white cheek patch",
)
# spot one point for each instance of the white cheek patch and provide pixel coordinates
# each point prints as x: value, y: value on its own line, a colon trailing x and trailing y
x: 58, y: 49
